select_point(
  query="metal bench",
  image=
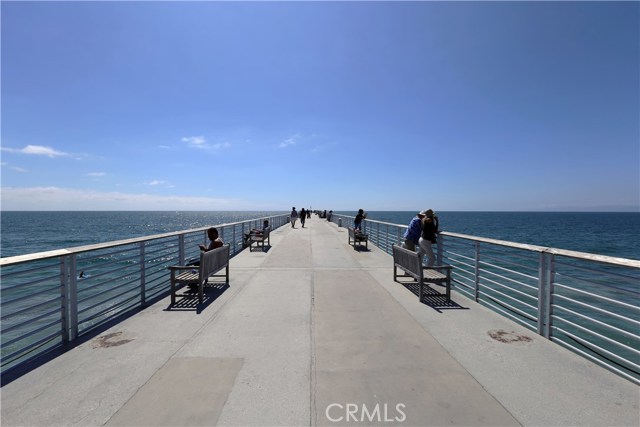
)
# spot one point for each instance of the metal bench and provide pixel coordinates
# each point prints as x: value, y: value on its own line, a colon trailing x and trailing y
x: 411, y: 263
x: 357, y: 238
x: 211, y: 262
x: 260, y: 239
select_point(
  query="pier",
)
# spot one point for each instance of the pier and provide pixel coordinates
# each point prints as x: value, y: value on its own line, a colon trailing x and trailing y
x: 314, y: 333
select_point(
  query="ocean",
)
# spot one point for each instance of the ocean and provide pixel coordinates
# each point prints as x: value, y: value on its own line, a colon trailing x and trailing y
x: 604, y: 233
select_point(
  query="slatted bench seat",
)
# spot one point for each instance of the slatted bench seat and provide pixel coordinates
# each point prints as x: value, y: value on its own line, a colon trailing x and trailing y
x: 411, y: 263
x: 260, y: 239
x: 211, y: 262
x: 357, y: 238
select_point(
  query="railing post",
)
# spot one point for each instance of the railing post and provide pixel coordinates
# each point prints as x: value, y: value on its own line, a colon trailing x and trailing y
x: 243, y: 232
x: 545, y: 292
x: 68, y: 273
x: 551, y: 278
x: 181, y: 249
x: 476, y: 289
x: 440, y: 240
x: 386, y: 239
x: 233, y: 236
x: 143, y: 278
x: 542, y: 294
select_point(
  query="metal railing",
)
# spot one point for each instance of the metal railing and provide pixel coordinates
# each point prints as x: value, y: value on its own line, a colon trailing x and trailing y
x: 587, y: 303
x: 51, y: 298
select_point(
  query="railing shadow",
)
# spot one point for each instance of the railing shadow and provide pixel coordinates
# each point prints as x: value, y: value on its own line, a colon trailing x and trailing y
x: 431, y: 297
x: 264, y: 249
x: 40, y: 358
x: 188, y: 300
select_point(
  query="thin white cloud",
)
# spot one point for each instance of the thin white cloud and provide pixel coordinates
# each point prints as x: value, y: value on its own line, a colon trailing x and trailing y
x: 14, y: 168
x: 55, y: 198
x: 292, y: 140
x: 156, y: 182
x: 195, y: 141
x: 200, y: 142
x: 96, y: 174
x: 37, y: 150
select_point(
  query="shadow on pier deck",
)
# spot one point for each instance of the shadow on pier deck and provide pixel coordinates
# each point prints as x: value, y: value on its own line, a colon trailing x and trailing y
x: 312, y: 332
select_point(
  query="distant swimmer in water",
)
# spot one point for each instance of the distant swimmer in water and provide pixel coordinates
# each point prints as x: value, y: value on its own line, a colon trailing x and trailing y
x: 81, y: 275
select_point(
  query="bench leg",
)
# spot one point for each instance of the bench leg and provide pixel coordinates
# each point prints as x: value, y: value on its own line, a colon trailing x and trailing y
x: 421, y: 293
x: 200, y: 292
x: 173, y: 288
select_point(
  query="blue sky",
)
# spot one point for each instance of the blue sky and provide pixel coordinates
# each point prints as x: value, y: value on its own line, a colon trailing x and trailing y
x: 333, y: 105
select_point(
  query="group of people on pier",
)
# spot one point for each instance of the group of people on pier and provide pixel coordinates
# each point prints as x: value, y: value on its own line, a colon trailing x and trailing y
x: 421, y: 233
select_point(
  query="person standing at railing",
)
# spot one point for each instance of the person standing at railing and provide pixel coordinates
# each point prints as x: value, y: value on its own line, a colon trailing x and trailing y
x: 414, y: 230
x: 429, y: 236
x: 294, y: 217
x: 357, y: 223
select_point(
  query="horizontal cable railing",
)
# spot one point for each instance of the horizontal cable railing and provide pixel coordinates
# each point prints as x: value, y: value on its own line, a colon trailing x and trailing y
x: 50, y: 298
x: 587, y: 303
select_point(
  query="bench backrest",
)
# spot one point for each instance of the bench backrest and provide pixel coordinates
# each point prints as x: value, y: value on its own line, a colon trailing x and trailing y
x: 213, y: 261
x: 266, y: 231
x: 352, y: 232
x: 409, y: 261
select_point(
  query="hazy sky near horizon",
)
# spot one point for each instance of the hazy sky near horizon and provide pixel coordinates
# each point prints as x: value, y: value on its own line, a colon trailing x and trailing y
x: 333, y: 105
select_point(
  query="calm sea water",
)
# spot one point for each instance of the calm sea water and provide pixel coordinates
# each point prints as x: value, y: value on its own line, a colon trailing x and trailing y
x: 613, y: 234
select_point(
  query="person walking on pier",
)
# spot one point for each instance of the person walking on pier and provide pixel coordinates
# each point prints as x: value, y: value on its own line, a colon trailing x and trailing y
x: 429, y: 236
x: 303, y: 216
x: 294, y: 217
x: 412, y: 235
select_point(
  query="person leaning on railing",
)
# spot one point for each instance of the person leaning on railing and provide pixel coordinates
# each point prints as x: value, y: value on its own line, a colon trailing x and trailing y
x: 429, y: 236
x: 412, y: 235
x: 357, y: 223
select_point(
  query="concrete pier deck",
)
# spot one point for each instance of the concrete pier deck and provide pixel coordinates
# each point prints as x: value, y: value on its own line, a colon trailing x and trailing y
x: 315, y: 333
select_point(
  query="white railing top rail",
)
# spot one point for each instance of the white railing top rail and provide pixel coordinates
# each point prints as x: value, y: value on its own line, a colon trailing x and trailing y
x: 36, y: 256
x: 625, y: 262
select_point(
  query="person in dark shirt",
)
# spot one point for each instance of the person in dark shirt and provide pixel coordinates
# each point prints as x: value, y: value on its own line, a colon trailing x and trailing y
x: 357, y: 223
x: 303, y: 216
x: 429, y: 236
x: 255, y: 232
x: 215, y: 240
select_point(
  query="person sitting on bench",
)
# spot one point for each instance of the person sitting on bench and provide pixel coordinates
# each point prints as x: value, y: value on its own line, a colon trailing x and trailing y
x: 255, y: 232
